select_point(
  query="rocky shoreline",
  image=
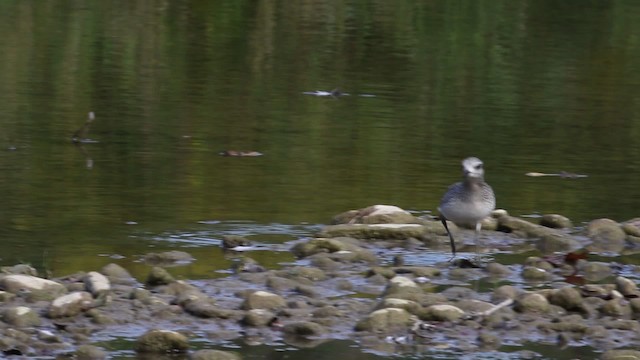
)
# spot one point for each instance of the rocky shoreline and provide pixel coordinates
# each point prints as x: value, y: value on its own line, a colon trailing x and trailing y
x: 352, y: 281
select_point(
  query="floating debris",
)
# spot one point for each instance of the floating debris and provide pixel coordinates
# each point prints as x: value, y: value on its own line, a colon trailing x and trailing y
x: 335, y: 93
x: 562, y: 174
x: 240, y: 153
x: 80, y: 136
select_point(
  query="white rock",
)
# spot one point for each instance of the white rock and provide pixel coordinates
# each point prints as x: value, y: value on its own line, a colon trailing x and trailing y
x: 18, y: 283
x: 70, y: 304
x: 97, y: 283
x: 402, y: 281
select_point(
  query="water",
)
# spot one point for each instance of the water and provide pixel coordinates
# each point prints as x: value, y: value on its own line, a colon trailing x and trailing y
x: 524, y: 85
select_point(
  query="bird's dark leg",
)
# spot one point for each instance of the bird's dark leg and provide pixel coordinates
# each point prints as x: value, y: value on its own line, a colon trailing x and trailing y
x: 453, y: 244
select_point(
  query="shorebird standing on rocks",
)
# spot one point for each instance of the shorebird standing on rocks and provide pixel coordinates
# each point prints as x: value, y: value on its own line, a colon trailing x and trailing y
x: 467, y: 202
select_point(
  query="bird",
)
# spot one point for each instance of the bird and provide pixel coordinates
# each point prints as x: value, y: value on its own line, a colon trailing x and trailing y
x: 469, y: 201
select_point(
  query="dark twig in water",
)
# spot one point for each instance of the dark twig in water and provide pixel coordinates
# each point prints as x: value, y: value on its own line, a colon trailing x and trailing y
x: 80, y: 136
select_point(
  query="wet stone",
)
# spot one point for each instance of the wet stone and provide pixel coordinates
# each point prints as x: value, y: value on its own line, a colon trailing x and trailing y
x: 70, y: 304
x: 566, y: 297
x: 304, y: 328
x: 20, y: 269
x: 90, y: 352
x: 258, y: 317
x: 168, y: 258
x: 159, y: 276
x: 37, y: 288
x: 531, y: 302
x: 263, y: 300
x: 384, y: 320
x: 97, y: 284
x: 21, y: 316
x: 162, y: 341
x: 555, y: 221
x: 441, y: 312
x: 117, y: 274
x: 209, y: 354
x: 606, y: 235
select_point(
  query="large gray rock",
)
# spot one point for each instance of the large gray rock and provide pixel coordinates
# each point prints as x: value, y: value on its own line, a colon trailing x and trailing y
x: 263, y: 300
x: 70, y: 304
x: 376, y: 214
x: 159, y: 276
x: 97, y: 284
x: 21, y: 316
x: 37, y: 288
x: 162, y: 341
x: 90, y: 352
x: 117, y: 274
x: 606, y: 236
x: 531, y: 302
x: 441, y: 312
x: 385, y: 320
x: 555, y: 221
x: 258, y: 317
x: 566, y: 297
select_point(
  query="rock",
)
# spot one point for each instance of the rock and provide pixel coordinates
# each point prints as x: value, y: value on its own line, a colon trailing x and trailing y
x: 594, y: 270
x: 555, y: 221
x: 532, y: 273
x: 473, y: 306
x: 626, y: 287
x: 505, y: 292
x: 209, y: 354
x: 615, y: 308
x: 567, y: 297
x: 556, y: 242
x: 385, y: 320
x: 20, y: 269
x: 6, y: 296
x: 21, y: 316
x: 168, y: 258
x: 97, y: 284
x: 621, y: 354
x: 489, y: 340
x: 36, y: 288
x: 263, y: 300
x: 632, y: 227
x: 539, y: 263
x: 162, y: 341
x: 327, y: 311
x: 508, y: 223
x: 70, y: 304
x: 376, y: 214
x: 205, y: 308
x: 531, y: 302
x: 117, y: 274
x: 441, y: 312
x: 606, y: 236
x: 304, y: 328
x: 374, y: 231
x: 247, y: 264
x: 233, y: 241
x: 411, y: 306
x: 497, y: 269
x: 418, y: 271
x: 402, y: 288
x: 309, y: 273
x: 159, y: 276
x: 90, y: 352
x: 258, y: 317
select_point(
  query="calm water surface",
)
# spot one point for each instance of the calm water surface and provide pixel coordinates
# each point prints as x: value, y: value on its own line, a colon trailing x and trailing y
x: 525, y: 85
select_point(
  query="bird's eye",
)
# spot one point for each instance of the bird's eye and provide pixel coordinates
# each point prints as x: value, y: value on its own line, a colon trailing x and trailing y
x: 479, y: 167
